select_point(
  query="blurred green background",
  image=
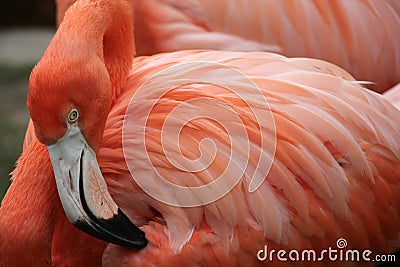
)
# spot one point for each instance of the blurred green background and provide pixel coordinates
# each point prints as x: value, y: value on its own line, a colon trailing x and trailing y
x: 26, y: 27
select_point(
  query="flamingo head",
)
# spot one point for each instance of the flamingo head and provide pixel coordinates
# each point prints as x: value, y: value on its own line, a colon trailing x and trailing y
x: 69, y: 101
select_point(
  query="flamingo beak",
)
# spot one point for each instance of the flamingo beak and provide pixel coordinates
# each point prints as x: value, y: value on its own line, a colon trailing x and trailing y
x: 84, y: 194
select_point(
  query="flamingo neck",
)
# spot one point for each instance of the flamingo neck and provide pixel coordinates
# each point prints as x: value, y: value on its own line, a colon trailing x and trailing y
x: 28, y: 210
x: 103, y: 28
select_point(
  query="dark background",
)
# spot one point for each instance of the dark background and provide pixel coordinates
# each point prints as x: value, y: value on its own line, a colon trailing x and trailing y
x: 27, y: 26
x: 18, y: 13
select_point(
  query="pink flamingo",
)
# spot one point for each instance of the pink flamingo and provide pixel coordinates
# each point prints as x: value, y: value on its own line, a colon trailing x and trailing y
x: 334, y: 171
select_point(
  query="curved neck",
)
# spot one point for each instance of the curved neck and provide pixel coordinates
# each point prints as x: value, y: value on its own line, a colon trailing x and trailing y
x: 99, y: 28
x: 27, y: 211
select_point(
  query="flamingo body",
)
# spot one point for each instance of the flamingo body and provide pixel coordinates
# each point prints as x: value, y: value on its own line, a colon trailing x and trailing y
x: 316, y: 189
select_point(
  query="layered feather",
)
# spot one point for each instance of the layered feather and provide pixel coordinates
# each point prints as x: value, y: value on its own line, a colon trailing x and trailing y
x: 336, y: 149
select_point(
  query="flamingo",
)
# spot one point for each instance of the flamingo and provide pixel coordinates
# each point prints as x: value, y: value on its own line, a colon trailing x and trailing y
x: 333, y: 170
x: 360, y: 36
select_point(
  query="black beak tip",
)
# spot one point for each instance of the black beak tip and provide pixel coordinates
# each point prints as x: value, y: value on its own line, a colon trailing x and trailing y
x: 126, y: 230
x: 118, y: 230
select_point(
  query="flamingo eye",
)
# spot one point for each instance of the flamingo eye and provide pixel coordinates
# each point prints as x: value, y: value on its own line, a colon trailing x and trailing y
x: 73, y: 116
